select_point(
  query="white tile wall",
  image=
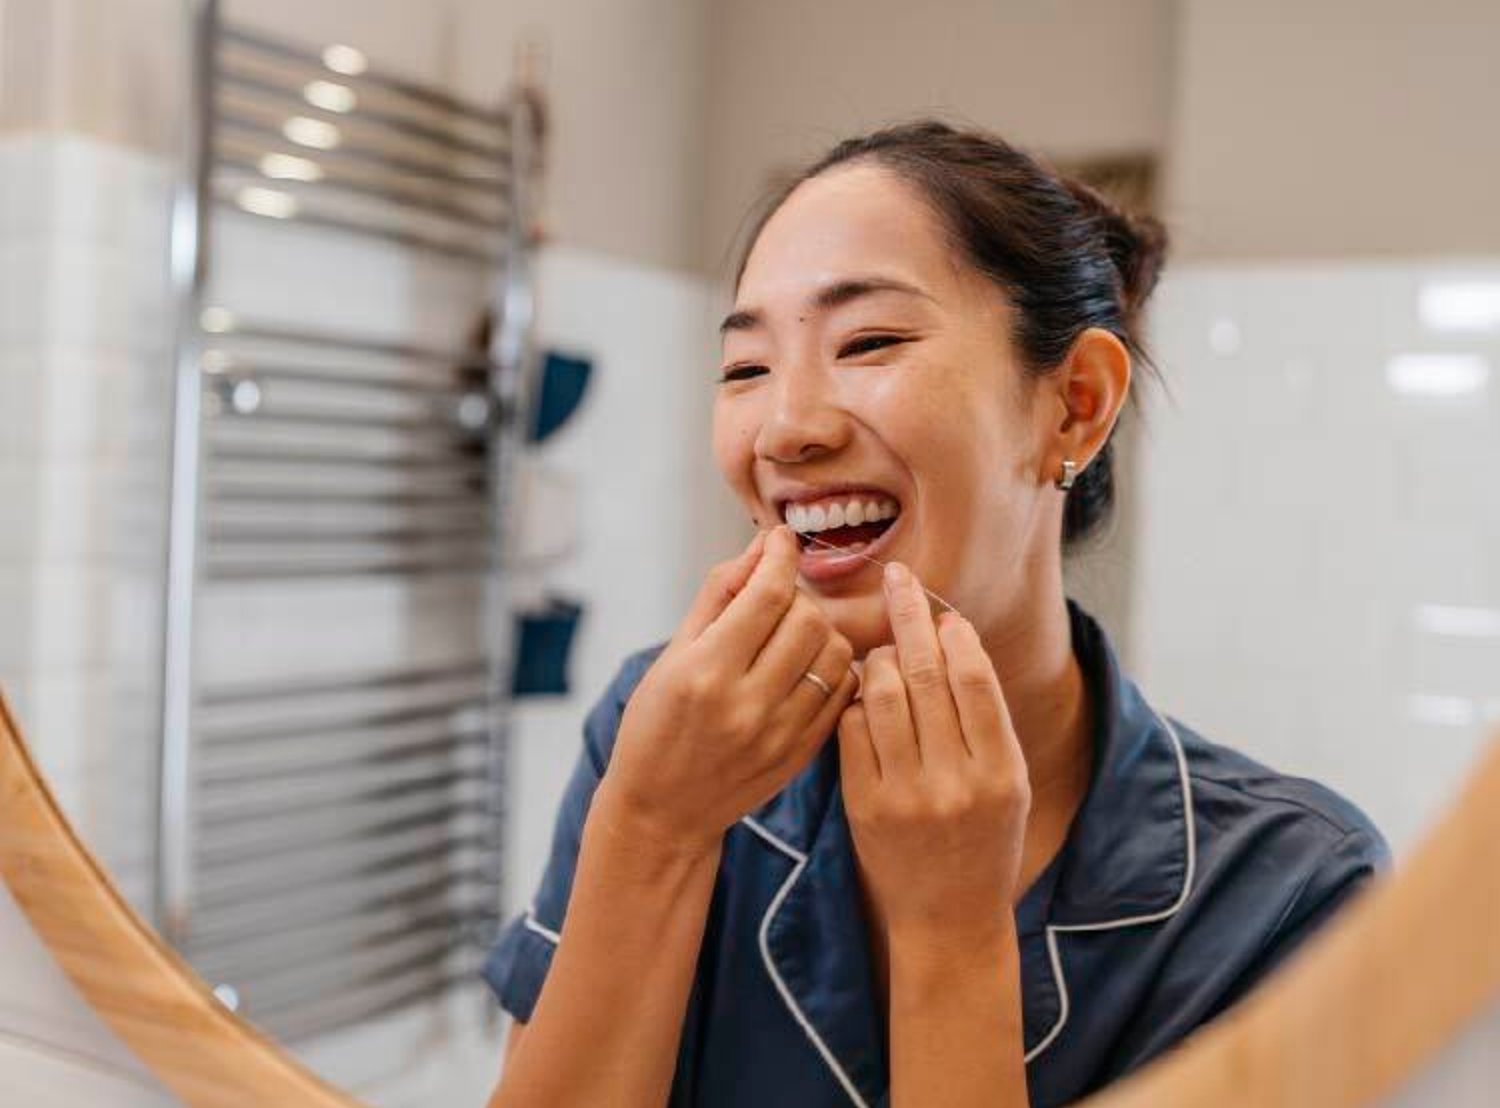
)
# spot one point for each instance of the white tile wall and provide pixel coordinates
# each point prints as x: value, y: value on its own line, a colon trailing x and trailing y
x: 634, y: 451
x: 83, y: 382
x: 1297, y: 515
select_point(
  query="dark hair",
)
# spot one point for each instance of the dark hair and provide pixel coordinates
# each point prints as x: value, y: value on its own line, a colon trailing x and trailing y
x: 1066, y: 257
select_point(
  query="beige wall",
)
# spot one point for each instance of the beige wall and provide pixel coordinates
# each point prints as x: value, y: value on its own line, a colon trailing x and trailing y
x: 113, y: 69
x: 1339, y: 128
x: 627, y: 89
x: 104, y: 68
x: 1290, y: 129
x: 788, y: 79
x: 1342, y: 127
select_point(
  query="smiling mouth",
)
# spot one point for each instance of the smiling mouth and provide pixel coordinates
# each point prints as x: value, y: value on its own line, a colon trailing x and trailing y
x: 849, y: 526
x: 846, y: 538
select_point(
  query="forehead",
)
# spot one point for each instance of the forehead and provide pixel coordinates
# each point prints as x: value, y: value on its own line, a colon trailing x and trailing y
x: 853, y: 219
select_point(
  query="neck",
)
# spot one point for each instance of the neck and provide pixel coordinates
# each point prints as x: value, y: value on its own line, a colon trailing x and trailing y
x: 1050, y: 708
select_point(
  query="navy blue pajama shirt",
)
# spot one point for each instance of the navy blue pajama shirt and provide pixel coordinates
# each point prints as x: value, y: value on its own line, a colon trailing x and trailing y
x: 1189, y: 872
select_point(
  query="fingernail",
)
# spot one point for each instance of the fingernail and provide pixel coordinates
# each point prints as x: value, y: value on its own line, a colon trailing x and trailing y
x: 896, y: 575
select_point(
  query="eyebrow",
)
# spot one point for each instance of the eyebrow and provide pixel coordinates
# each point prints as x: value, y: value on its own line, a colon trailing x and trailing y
x: 828, y: 298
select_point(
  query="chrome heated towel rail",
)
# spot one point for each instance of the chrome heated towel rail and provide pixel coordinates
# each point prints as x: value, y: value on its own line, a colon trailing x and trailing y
x: 328, y: 839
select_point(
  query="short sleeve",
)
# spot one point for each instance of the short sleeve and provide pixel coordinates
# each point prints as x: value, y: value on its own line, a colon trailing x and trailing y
x: 518, y: 962
x: 1346, y: 869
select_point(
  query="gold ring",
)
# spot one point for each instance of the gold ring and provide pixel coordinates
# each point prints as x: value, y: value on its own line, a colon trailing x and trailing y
x: 818, y: 681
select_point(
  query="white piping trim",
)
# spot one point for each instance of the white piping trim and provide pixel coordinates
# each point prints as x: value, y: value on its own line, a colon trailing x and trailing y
x: 533, y: 924
x: 1053, y: 930
x: 765, y: 953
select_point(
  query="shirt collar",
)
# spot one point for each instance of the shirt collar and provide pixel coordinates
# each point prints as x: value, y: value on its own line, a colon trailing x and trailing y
x: 1129, y: 852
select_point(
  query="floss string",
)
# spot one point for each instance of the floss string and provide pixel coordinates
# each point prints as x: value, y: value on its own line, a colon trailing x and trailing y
x: 878, y: 562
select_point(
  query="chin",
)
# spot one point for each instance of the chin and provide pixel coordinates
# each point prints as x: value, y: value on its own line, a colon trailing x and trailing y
x: 862, y: 620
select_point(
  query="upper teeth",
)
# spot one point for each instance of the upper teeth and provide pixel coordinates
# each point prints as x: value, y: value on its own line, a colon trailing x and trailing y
x: 827, y: 514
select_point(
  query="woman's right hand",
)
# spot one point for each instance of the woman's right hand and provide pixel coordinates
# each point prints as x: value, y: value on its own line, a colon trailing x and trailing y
x: 723, y: 718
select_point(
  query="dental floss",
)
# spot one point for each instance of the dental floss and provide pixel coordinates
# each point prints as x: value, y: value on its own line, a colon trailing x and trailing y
x: 878, y: 562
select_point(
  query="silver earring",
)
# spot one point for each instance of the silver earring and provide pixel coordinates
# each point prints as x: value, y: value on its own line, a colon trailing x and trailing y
x: 1069, y: 474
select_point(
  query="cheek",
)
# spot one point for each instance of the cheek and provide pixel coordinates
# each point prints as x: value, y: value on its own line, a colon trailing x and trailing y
x: 938, y: 426
x: 734, y: 443
x: 967, y: 444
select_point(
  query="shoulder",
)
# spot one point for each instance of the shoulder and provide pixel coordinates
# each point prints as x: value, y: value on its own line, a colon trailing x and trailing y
x: 1271, y: 858
x: 1277, y: 856
x: 1234, y: 793
x: 604, y: 716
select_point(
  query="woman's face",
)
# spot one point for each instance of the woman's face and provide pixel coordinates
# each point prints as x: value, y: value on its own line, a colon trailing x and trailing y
x: 865, y: 360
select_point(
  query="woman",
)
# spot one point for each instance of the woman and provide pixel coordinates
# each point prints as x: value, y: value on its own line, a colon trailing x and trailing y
x: 821, y: 848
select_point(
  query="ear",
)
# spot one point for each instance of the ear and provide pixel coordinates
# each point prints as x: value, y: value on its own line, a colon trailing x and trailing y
x: 1091, y: 386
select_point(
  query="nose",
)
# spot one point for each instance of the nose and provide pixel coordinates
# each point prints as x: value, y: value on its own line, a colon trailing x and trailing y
x: 806, y: 420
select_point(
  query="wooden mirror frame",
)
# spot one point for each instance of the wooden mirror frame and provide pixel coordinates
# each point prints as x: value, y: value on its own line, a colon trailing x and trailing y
x: 1357, y: 1012
x: 164, y: 1012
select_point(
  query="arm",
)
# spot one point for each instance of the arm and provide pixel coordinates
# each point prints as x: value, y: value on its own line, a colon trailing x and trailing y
x: 605, y: 1030
x: 513, y: 1040
x: 956, y: 1034
x: 718, y: 723
x: 935, y: 785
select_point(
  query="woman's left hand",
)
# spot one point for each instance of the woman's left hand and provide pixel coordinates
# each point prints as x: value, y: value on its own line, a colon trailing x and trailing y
x: 933, y: 778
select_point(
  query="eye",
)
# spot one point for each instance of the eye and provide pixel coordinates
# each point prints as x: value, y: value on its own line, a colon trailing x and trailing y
x: 867, y: 343
x: 740, y: 372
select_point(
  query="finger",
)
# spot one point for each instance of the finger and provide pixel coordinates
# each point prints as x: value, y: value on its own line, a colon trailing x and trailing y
x: 826, y: 722
x: 859, y: 764
x: 883, y: 694
x: 738, y: 635
x: 923, y: 668
x: 977, y: 695
x: 800, y: 698
x: 810, y: 736
x: 719, y: 587
x: 790, y: 652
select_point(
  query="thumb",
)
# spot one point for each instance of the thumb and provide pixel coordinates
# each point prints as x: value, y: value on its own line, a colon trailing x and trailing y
x: 722, y: 585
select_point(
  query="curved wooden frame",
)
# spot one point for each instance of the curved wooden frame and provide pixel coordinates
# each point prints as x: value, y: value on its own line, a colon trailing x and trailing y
x: 151, y: 998
x: 1359, y: 1011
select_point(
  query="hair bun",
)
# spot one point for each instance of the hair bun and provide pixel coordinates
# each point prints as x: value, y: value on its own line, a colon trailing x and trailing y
x: 1137, y: 244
